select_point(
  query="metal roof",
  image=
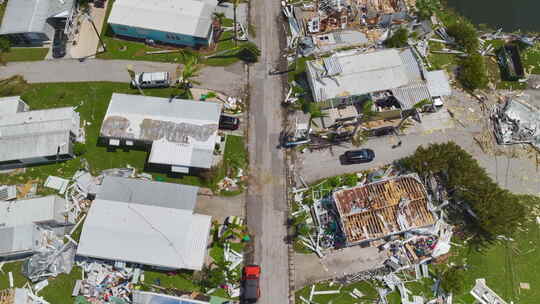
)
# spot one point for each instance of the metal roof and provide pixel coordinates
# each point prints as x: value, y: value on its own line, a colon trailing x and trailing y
x: 188, y: 17
x: 18, y: 240
x: 35, y: 210
x: 411, y: 94
x: 11, y: 105
x: 411, y: 65
x: 161, y: 194
x: 145, y: 234
x: 183, y: 132
x: 362, y: 73
x: 438, y: 83
x: 147, y: 297
x: 37, y: 133
x: 26, y: 16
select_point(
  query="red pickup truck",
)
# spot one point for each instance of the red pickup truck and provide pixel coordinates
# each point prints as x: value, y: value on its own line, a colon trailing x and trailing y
x: 250, y: 281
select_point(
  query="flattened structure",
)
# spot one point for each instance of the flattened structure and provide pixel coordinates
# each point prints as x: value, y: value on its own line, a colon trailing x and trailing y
x: 383, y: 208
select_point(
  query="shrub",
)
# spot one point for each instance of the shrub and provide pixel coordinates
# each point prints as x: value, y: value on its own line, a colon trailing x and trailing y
x: 427, y: 8
x: 473, y: 72
x: 398, y: 39
x: 5, y: 45
x: 79, y: 149
x: 452, y: 280
x: 465, y: 34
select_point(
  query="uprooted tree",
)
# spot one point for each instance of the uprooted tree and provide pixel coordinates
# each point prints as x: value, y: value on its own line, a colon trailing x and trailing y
x: 465, y: 35
x: 398, y: 39
x: 483, y: 208
x: 472, y: 72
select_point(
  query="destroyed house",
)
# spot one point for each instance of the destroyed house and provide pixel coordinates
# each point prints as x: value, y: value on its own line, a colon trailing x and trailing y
x: 179, y: 134
x: 384, y: 208
x: 178, y: 22
x: 33, y: 22
x: 148, y: 230
x: 350, y: 75
x: 35, y: 137
x: 27, y: 225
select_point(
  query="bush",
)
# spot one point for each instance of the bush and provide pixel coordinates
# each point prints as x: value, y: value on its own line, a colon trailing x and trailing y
x: 398, y: 39
x: 249, y: 52
x: 465, y: 34
x: 427, y: 8
x: 453, y: 280
x: 79, y: 149
x: 473, y: 72
x: 5, y: 45
x: 350, y: 180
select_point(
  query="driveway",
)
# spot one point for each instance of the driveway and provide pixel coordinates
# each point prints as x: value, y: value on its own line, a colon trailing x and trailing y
x: 513, y: 168
x: 309, y: 268
x: 229, y: 80
x: 220, y: 207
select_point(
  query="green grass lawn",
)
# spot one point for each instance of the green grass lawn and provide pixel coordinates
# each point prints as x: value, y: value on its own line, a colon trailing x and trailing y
x: 25, y: 54
x: 182, y: 280
x: 91, y: 100
x: 531, y: 59
x: 234, y: 158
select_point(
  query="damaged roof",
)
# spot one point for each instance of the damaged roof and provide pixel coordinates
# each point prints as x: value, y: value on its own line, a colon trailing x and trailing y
x: 383, y: 208
x: 145, y: 234
x: 183, y: 132
x: 349, y: 73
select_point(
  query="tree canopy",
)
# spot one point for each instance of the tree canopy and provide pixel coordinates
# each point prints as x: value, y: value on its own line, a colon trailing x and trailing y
x: 465, y: 34
x: 497, y: 211
x: 473, y: 72
x: 427, y: 8
x: 398, y: 39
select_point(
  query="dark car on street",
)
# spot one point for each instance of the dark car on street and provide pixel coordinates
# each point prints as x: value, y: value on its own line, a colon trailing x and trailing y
x: 358, y: 156
x: 228, y: 122
x: 59, y: 43
x: 250, y: 282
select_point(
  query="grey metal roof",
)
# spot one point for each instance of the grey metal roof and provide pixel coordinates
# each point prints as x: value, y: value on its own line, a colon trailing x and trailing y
x: 24, y: 16
x: 151, y: 193
x: 438, y: 83
x: 17, y: 240
x: 11, y: 105
x: 145, y: 234
x: 37, y: 133
x: 411, y: 94
x: 411, y: 65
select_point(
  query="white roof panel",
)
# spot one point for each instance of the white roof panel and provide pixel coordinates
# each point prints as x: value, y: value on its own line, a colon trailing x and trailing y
x: 188, y: 17
x: 144, y: 234
x: 438, y: 83
x: 24, y: 212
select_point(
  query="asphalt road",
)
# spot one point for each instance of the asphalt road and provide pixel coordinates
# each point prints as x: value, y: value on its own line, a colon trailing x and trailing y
x: 229, y: 80
x: 266, y: 205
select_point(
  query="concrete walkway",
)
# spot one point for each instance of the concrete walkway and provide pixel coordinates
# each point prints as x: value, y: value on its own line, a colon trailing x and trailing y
x: 228, y: 79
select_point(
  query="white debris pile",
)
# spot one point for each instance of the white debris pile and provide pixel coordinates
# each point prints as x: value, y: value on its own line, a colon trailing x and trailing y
x: 233, y: 105
x: 231, y: 183
x: 54, y: 256
x: 105, y: 283
x: 233, y: 257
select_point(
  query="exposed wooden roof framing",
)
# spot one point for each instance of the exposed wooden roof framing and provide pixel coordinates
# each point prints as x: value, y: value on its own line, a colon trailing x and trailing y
x: 372, y: 211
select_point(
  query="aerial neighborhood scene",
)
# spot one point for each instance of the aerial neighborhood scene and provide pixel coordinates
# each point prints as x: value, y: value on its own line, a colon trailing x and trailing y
x: 269, y: 151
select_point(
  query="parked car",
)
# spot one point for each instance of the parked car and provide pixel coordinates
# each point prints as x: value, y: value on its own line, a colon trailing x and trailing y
x: 359, y: 156
x: 148, y: 80
x: 250, y: 282
x: 59, y: 43
x: 228, y: 122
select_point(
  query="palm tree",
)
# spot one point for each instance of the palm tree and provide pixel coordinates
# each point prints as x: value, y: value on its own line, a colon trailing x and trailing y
x: 359, y: 135
x: 246, y: 51
x: 188, y: 72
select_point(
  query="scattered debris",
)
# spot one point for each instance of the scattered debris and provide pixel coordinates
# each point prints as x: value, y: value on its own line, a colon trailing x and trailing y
x: 57, y: 183
x: 483, y: 294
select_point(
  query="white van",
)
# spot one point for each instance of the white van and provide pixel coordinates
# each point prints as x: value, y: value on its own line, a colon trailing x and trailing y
x: 151, y: 80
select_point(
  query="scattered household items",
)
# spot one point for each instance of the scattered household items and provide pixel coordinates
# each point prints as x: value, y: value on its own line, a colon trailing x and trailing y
x: 228, y: 122
x: 180, y: 134
x: 232, y: 105
x: 484, y: 295
x: 250, y: 282
x: 185, y: 22
x: 517, y: 122
x: 149, y: 213
x: 147, y: 80
x: 105, y: 282
x: 38, y: 136
x: 30, y: 226
x: 358, y: 156
x: 23, y: 295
